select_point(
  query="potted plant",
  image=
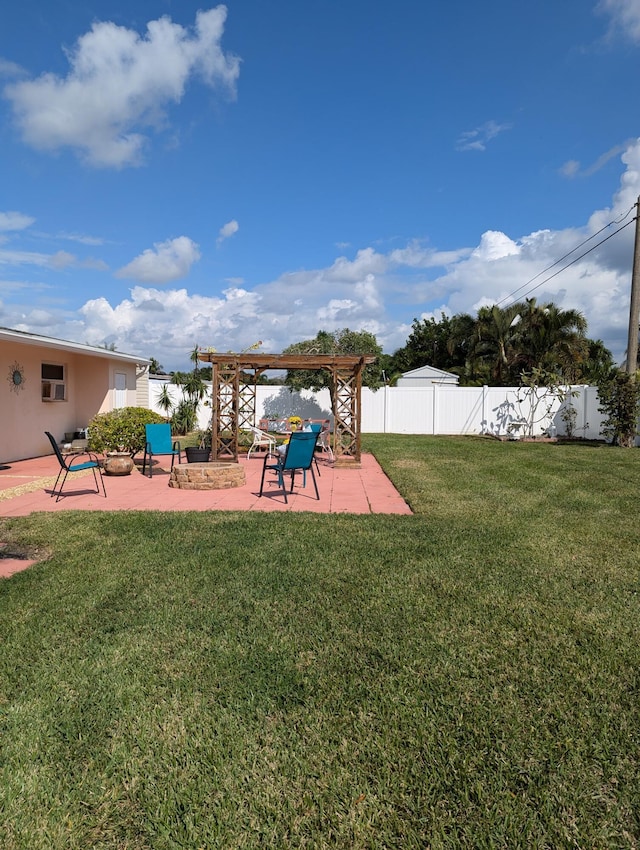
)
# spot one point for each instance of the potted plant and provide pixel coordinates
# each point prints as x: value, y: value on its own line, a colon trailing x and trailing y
x: 120, y: 435
x: 202, y: 452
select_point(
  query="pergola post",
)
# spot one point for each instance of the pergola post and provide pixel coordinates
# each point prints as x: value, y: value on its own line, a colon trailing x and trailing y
x: 224, y: 424
x: 346, y: 429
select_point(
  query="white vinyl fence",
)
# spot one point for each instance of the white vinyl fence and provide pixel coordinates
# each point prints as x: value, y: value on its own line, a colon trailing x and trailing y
x: 437, y: 409
x: 501, y: 411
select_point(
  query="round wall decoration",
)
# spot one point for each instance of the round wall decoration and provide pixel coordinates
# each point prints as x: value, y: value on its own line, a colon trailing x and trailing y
x: 16, y: 377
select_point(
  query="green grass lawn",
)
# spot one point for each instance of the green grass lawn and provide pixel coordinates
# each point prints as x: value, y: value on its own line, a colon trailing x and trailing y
x: 464, y: 677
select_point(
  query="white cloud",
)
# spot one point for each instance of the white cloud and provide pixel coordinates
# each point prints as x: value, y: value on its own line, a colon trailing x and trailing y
x: 81, y: 238
x: 415, y: 256
x: 367, y: 262
x: 371, y: 291
x: 15, y: 221
x: 24, y: 258
x: 10, y: 69
x: 337, y: 311
x: 573, y: 168
x: 63, y: 259
x: 59, y: 260
x: 164, y: 263
x: 477, y: 139
x: 227, y: 230
x: 625, y: 16
x: 168, y: 323
x: 119, y: 85
x: 494, y: 245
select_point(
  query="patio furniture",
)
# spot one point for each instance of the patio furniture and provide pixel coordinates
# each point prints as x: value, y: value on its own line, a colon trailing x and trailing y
x: 324, y: 442
x: 261, y: 440
x: 72, y: 464
x: 158, y: 444
x: 76, y: 447
x: 298, y: 456
x: 316, y: 428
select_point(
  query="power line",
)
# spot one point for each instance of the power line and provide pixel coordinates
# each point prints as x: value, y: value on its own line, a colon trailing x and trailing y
x: 568, y: 254
x: 593, y: 248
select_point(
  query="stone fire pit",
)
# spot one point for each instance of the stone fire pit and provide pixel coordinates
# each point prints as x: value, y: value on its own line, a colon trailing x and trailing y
x: 216, y: 475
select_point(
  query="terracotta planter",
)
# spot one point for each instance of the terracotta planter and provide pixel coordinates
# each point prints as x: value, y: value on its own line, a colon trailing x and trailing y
x: 118, y: 463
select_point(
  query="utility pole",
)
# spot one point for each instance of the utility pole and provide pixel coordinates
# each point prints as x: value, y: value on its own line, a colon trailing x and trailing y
x: 634, y: 307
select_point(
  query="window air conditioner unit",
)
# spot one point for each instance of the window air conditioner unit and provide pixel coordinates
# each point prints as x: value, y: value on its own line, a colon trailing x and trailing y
x: 53, y: 392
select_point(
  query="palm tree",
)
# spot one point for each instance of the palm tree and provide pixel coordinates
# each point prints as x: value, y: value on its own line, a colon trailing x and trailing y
x: 552, y: 339
x: 598, y: 363
x: 493, y: 345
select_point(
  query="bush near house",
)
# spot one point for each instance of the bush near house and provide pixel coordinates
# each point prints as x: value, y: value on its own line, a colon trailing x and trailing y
x: 121, y: 430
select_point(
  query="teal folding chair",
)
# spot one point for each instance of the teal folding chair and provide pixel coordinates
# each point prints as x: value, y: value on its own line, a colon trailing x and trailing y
x: 298, y: 457
x: 316, y: 427
x: 158, y: 444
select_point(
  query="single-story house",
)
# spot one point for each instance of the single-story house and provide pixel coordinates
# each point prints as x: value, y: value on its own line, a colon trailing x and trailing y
x: 49, y: 384
x: 425, y: 376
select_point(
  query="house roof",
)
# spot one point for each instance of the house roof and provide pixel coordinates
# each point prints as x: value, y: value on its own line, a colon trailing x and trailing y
x: 11, y: 335
x: 428, y: 372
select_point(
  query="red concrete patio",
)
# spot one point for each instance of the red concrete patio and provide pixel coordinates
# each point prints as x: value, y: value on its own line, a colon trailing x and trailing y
x: 25, y: 488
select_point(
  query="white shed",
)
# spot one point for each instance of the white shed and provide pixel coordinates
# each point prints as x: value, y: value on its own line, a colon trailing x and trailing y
x: 426, y: 376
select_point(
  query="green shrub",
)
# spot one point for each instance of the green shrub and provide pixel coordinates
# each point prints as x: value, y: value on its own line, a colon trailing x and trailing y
x: 619, y: 396
x: 121, y: 429
x: 184, y: 417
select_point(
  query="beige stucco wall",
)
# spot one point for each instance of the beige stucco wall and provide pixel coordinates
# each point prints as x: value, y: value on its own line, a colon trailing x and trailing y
x: 24, y: 416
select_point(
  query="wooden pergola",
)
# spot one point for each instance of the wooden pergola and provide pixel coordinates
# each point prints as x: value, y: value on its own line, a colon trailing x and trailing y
x: 234, y: 399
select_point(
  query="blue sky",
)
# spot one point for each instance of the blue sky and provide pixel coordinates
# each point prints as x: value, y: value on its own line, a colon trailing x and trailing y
x: 174, y: 174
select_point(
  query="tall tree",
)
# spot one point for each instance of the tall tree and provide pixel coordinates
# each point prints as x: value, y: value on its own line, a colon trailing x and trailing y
x: 598, y: 363
x: 526, y: 337
x: 443, y: 344
x: 344, y: 341
x: 551, y: 339
x: 494, y: 349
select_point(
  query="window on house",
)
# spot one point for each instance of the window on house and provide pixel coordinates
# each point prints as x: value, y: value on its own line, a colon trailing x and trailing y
x: 53, y: 382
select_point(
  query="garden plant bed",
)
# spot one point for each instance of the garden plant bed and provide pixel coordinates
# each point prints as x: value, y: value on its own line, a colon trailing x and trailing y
x: 214, y: 475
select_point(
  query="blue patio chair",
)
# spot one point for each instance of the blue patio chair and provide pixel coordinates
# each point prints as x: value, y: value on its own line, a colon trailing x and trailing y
x: 316, y: 427
x: 74, y: 464
x: 159, y: 443
x: 297, y: 457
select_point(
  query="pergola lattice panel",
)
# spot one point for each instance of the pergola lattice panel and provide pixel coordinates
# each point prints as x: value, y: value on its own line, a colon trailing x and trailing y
x: 225, y: 412
x: 347, y: 419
